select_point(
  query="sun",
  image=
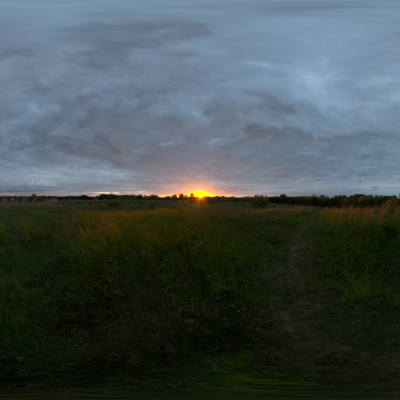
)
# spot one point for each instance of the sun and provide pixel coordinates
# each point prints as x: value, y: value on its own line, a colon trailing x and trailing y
x: 201, y: 193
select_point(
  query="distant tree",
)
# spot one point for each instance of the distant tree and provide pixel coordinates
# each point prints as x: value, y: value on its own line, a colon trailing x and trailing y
x: 34, y: 195
x: 260, y: 201
x: 181, y: 196
x: 309, y: 201
x: 284, y: 195
x: 140, y: 197
x: 362, y: 200
x: 192, y: 198
x: 104, y: 196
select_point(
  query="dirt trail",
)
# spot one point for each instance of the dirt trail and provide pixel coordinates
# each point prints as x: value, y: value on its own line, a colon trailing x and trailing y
x: 285, y: 341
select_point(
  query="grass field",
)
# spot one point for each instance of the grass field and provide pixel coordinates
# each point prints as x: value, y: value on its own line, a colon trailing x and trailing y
x: 210, y: 299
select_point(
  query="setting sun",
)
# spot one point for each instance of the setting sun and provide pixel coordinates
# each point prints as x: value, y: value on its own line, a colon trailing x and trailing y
x: 201, y: 193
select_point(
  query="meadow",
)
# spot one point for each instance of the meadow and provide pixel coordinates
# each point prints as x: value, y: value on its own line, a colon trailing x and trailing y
x: 198, y: 299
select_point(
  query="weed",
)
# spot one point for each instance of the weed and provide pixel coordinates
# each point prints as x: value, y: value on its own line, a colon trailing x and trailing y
x: 152, y: 205
x: 182, y: 206
x: 27, y: 228
x: 217, y: 287
x: 3, y: 233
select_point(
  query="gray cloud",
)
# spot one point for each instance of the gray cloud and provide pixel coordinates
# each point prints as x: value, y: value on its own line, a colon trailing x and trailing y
x: 285, y: 6
x: 225, y: 97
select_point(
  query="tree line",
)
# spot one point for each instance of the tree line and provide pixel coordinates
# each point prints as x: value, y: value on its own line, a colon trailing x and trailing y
x: 355, y: 200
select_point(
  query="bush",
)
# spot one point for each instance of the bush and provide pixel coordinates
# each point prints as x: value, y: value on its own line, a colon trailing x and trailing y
x: 391, y: 204
x: 152, y: 205
x: 260, y: 201
x: 114, y: 204
x: 309, y: 201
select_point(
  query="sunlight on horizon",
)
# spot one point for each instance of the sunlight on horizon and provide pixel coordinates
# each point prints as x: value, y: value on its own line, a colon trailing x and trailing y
x: 201, y: 193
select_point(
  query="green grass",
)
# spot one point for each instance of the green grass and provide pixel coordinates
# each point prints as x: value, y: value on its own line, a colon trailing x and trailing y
x: 359, y: 252
x: 333, y: 311
x: 362, y: 247
x: 164, y: 298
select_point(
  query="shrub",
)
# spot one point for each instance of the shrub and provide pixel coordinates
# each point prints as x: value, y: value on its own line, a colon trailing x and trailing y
x: 152, y: 205
x: 391, y: 204
x: 260, y: 201
x: 114, y: 204
x: 182, y: 205
x: 309, y: 201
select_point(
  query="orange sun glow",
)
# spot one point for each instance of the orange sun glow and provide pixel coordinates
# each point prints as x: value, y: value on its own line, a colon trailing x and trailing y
x: 201, y: 193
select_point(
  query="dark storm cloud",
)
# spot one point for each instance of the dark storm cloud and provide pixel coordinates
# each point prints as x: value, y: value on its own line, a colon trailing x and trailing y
x: 241, y: 97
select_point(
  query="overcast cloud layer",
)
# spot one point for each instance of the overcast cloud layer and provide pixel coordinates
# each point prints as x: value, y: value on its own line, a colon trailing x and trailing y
x: 233, y: 97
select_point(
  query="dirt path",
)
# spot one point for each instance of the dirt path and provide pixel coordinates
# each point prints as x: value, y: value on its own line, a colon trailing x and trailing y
x: 286, y: 341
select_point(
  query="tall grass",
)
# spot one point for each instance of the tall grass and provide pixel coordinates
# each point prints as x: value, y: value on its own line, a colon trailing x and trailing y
x: 27, y: 228
x: 132, y: 287
x: 362, y: 246
x: 3, y: 233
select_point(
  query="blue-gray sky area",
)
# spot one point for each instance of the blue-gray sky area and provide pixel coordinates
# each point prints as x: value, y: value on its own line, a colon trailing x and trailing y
x: 234, y: 97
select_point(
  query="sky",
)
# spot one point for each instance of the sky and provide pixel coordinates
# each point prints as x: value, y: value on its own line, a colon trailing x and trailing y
x: 233, y: 97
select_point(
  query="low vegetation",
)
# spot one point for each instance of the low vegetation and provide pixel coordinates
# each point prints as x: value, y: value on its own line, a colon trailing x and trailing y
x: 356, y: 200
x: 92, y: 290
x: 362, y: 249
